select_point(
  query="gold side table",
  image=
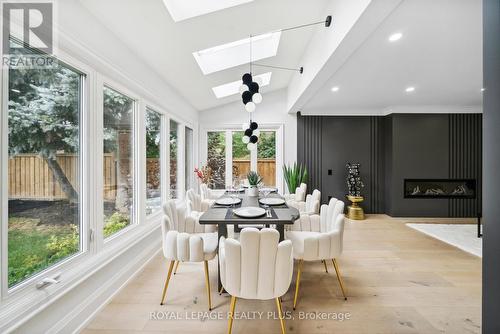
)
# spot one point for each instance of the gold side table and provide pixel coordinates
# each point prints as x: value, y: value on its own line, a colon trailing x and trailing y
x: 354, y: 211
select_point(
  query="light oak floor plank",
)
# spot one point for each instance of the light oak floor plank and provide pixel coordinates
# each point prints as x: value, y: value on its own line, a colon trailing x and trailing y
x: 397, y: 279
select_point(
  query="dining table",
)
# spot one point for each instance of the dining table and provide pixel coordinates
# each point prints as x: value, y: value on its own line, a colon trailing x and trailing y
x: 276, y: 216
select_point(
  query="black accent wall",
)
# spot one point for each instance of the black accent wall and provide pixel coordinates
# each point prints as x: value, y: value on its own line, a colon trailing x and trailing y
x: 390, y: 149
x: 491, y: 109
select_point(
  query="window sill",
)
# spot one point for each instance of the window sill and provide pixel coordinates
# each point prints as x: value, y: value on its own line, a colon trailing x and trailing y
x: 20, y: 307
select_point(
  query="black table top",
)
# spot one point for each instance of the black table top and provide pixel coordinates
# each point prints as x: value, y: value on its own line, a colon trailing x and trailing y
x: 219, y: 215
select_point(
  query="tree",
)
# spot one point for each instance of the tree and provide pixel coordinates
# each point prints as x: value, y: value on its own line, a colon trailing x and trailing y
x: 44, y: 116
x: 118, y: 130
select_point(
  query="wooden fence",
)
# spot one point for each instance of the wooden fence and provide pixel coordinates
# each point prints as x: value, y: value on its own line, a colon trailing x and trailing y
x: 265, y: 167
x: 31, y: 178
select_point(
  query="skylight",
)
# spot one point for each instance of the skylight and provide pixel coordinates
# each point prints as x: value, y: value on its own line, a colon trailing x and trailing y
x: 185, y: 9
x: 233, y: 87
x: 237, y: 53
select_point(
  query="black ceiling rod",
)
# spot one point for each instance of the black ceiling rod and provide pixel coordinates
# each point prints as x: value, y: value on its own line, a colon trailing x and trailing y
x: 300, y: 70
x: 327, y: 22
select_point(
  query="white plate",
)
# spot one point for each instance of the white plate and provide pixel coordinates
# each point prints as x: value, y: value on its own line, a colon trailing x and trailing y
x: 272, y: 201
x: 270, y: 189
x: 227, y: 200
x: 250, y: 212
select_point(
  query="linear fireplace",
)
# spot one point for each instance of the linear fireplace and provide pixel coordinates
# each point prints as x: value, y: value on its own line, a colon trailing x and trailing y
x: 439, y: 188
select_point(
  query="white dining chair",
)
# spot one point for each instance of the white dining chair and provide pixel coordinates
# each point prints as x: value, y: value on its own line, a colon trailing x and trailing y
x: 207, y: 193
x: 184, y: 239
x: 195, y: 204
x: 257, y: 266
x: 310, y: 206
x: 299, y: 195
x: 319, y: 238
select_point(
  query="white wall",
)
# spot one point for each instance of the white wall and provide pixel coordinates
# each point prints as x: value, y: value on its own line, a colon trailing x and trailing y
x: 272, y: 110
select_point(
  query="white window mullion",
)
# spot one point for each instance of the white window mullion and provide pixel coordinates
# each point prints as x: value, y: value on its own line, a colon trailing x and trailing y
x: 140, y: 166
x: 4, y: 195
x: 166, y: 157
x: 98, y: 167
x: 253, y: 160
x: 181, y: 160
x: 229, y: 157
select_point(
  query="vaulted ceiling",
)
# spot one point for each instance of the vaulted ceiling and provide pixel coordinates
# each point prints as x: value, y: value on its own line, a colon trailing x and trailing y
x: 149, y: 30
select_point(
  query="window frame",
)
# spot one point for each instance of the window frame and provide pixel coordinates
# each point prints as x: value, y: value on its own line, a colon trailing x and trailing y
x: 229, y: 129
x: 138, y: 128
x: 163, y: 144
x: 86, y: 160
x: 23, y: 300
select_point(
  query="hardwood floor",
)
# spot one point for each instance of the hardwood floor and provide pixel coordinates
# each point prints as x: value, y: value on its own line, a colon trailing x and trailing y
x: 398, y: 280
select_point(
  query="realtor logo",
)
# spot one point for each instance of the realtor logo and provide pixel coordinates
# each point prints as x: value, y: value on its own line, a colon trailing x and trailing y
x: 27, y: 26
x: 28, y: 39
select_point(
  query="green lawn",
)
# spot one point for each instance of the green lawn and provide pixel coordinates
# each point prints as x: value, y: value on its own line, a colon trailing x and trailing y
x: 33, y: 248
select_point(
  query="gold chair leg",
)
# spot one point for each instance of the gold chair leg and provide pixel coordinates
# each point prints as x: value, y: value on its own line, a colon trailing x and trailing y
x: 166, y: 282
x: 297, y: 284
x: 337, y: 270
x: 231, y: 315
x: 280, y: 312
x: 207, y: 282
x: 326, y: 268
x: 176, y: 266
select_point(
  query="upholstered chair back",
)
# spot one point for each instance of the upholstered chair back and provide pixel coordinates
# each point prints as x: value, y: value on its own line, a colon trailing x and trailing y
x: 193, y: 201
x: 176, y: 219
x: 313, y: 202
x: 300, y: 193
x: 331, y: 218
x: 257, y: 266
x: 204, y: 191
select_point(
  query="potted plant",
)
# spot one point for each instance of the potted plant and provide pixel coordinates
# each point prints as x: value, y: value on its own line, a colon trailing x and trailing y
x: 254, y: 179
x: 294, y: 175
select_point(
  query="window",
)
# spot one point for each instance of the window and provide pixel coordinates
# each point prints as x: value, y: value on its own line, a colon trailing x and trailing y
x: 216, y: 158
x: 241, y: 157
x: 153, y: 161
x: 118, y: 134
x: 188, y: 166
x: 266, y: 157
x: 44, y: 120
x: 174, y: 151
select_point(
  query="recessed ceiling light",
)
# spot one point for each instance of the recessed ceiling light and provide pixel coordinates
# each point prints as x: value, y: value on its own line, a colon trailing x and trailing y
x: 335, y: 89
x: 185, y: 9
x: 237, y: 53
x: 483, y: 89
x: 233, y: 87
x: 395, y: 37
x: 410, y: 89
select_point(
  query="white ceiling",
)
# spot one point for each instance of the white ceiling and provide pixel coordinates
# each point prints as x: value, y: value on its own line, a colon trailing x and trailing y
x: 440, y: 54
x: 147, y: 28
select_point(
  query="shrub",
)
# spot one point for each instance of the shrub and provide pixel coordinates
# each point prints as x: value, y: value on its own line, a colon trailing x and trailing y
x: 115, y: 223
x: 61, y: 246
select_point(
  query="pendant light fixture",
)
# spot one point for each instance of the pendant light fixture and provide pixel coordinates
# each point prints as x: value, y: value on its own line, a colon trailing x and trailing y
x: 251, y: 96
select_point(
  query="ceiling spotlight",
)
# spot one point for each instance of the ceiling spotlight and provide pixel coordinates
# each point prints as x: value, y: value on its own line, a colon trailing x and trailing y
x: 395, y: 37
x: 410, y: 89
x: 483, y: 89
x: 335, y: 89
